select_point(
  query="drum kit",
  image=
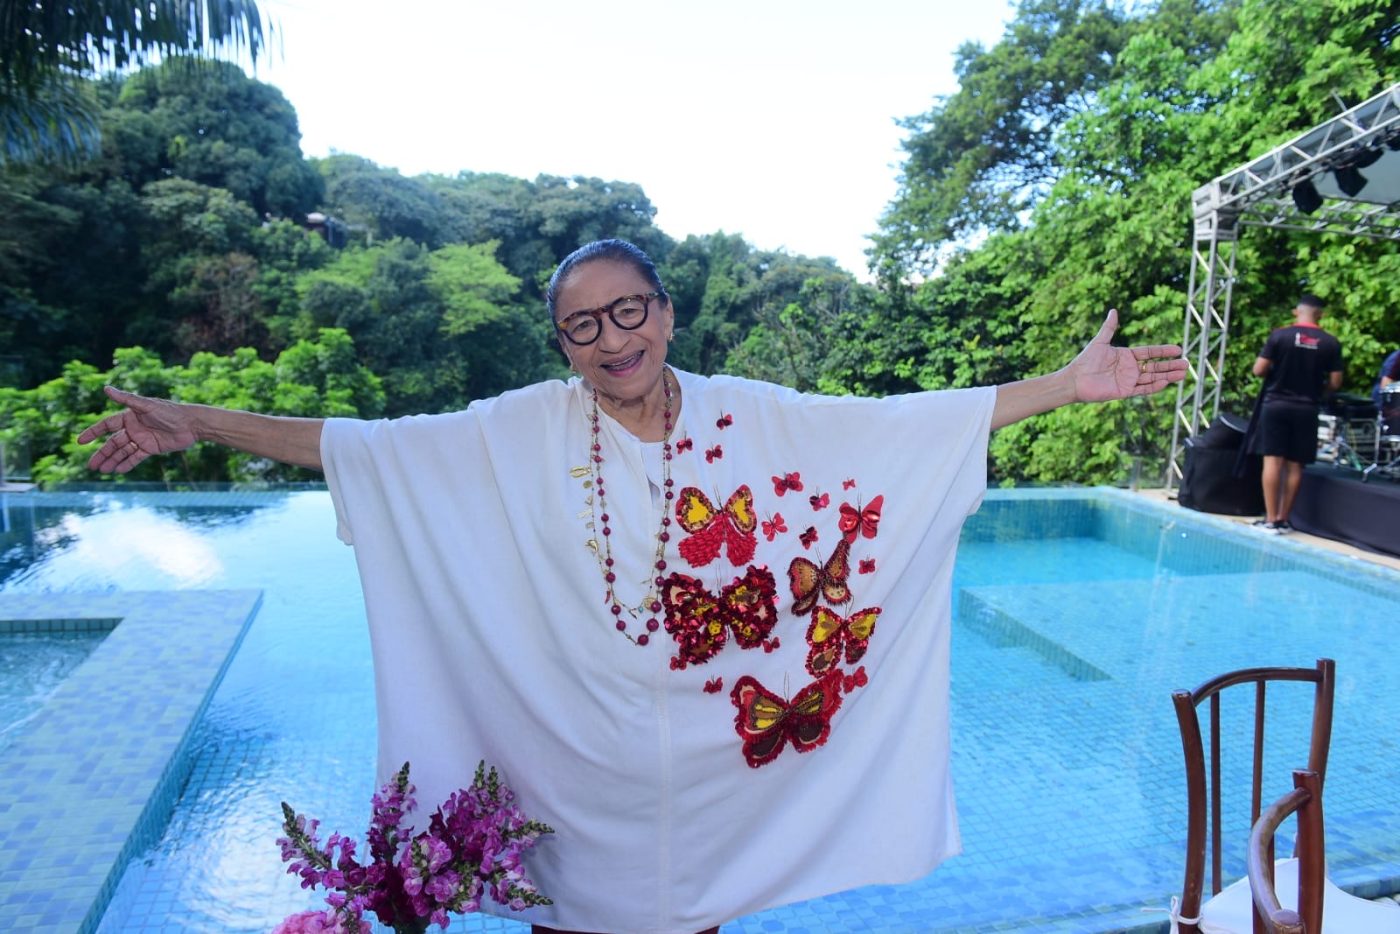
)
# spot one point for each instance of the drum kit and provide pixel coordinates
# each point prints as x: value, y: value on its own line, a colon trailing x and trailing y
x: 1356, y: 433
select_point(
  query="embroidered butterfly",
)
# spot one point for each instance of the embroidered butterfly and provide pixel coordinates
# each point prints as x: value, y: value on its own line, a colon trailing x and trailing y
x: 819, y: 502
x: 867, y: 565
x: 724, y: 421
x: 810, y: 582
x: 847, y: 484
x: 713, y: 454
x: 830, y: 633
x: 788, y: 481
x: 858, y: 680
x: 771, y: 529
x: 711, y: 529
x: 715, y: 685
x: 808, y: 537
x: 700, y: 622
x: 865, y: 522
x: 685, y: 444
x: 766, y: 723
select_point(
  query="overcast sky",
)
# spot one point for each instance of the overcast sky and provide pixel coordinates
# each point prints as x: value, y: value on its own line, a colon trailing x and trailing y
x: 775, y: 120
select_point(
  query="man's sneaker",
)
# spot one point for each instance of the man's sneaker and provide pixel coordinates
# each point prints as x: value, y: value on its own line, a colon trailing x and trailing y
x: 1264, y: 525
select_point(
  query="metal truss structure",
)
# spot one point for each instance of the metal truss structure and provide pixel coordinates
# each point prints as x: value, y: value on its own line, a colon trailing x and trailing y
x: 1312, y: 183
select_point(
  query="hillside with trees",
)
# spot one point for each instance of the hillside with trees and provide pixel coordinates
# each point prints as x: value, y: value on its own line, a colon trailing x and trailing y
x: 195, y: 252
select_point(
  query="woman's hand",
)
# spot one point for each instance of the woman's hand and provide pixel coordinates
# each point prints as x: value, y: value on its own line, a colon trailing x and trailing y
x: 1103, y: 372
x: 144, y: 428
x: 1100, y: 373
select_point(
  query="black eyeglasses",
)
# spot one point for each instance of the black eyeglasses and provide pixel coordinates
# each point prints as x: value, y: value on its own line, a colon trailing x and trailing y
x: 628, y: 312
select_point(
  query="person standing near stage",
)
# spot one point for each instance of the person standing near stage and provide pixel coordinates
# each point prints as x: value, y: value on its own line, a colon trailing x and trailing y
x: 1299, y: 363
x: 1390, y: 373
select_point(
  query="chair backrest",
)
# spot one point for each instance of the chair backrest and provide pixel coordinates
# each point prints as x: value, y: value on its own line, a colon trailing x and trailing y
x: 1305, y: 800
x: 1203, y: 800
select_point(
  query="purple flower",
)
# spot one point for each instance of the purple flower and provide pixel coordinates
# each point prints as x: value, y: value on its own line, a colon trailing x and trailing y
x: 472, y: 846
x: 320, y: 922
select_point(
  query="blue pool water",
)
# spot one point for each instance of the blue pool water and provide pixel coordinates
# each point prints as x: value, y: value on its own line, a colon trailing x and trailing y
x: 32, y: 665
x: 1077, y: 613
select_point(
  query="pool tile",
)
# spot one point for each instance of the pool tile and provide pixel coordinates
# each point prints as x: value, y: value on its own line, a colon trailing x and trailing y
x: 83, y: 793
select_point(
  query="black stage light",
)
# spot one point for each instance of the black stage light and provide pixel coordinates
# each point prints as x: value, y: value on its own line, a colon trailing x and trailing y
x: 1305, y: 196
x: 1350, y: 180
x: 1367, y: 157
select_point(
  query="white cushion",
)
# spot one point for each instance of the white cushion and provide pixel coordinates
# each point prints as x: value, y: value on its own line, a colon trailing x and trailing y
x: 1232, y: 911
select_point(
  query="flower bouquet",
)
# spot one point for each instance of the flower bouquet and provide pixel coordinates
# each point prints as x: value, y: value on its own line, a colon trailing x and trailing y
x: 472, y: 847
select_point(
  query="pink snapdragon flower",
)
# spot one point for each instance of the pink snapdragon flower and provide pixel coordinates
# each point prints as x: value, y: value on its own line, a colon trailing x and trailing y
x: 320, y: 922
x: 473, y: 846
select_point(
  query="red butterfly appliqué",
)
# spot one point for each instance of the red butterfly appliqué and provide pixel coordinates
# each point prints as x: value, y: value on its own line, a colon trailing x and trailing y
x: 713, y: 454
x: 685, y: 444
x: 865, y: 522
x: 810, y: 582
x: 711, y: 529
x: 819, y: 502
x: 771, y: 529
x: 830, y: 633
x: 715, y: 685
x: 724, y: 421
x: 766, y: 723
x: 788, y: 481
x: 867, y: 565
x: 700, y: 622
x: 858, y: 680
x: 808, y: 537
x: 847, y: 484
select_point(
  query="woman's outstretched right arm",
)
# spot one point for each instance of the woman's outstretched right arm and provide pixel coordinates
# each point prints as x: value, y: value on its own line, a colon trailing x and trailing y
x: 147, y: 427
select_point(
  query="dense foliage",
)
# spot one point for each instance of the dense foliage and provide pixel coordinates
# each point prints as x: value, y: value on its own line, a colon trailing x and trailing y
x: 46, y: 49
x: 1053, y: 184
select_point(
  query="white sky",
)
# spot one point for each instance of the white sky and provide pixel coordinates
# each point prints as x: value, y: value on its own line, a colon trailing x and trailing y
x: 769, y: 118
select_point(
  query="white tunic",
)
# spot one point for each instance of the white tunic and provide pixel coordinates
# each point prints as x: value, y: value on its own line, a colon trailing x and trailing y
x: 475, y: 534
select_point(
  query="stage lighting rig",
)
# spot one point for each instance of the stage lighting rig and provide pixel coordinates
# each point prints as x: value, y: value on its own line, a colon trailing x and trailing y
x: 1348, y: 175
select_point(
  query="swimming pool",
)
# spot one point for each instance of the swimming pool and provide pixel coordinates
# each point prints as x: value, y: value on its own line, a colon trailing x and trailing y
x: 32, y: 665
x: 1077, y: 613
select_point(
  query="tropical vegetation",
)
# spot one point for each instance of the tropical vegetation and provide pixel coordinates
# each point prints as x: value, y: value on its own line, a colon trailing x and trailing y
x: 198, y: 254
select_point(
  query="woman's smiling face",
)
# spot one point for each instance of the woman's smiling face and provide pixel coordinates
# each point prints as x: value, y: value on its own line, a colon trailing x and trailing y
x: 624, y: 366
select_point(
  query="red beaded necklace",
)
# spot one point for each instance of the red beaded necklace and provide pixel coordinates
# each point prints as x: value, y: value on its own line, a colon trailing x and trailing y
x: 651, y: 603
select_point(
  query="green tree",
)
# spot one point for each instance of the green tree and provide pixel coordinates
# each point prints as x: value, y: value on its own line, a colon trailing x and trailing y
x: 210, y: 123
x: 46, y: 112
x: 442, y: 327
x: 196, y: 242
x: 722, y: 287
x: 1179, y: 93
x: 981, y: 157
x: 381, y: 202
x: 317, y: 378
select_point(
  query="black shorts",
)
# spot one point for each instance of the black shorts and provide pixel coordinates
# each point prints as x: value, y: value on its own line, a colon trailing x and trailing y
x: 1287, y: 430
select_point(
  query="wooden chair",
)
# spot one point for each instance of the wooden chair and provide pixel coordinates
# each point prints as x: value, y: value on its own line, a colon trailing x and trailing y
x: 1305, y: 800
x: 1308, y: 902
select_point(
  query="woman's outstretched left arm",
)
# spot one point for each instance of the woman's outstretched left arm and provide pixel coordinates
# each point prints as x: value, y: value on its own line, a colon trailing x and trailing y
x: 1100, y: 373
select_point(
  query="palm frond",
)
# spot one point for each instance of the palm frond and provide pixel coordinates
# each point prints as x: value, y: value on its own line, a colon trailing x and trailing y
x: 57, y: 124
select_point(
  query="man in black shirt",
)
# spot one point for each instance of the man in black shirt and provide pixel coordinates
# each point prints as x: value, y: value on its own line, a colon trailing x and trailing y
x: 1389, y: 373
x: 1299, y: 363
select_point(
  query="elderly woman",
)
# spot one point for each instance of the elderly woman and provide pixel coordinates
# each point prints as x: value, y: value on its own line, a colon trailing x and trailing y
x: 700, y: 624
